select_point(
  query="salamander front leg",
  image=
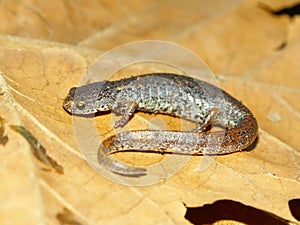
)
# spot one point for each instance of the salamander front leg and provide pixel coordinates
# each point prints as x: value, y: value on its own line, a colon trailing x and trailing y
x: 126, y: 109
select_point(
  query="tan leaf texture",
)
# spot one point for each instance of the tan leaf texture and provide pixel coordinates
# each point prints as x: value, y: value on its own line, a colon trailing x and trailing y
x: 46, y: 48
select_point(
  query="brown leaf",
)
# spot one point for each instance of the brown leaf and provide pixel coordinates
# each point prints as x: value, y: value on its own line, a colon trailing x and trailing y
x: 38, y: 149
x: 238, y: 40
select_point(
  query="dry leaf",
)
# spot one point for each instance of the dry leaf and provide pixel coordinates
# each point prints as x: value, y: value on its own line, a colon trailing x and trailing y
x: 238, y: 40
x: 38, y: 149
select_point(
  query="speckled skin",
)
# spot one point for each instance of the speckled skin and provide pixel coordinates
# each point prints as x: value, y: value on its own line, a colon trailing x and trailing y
x: 172, y: 94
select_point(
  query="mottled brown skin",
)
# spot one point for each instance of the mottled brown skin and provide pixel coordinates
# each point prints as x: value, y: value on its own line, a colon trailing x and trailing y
x: 172, y: 94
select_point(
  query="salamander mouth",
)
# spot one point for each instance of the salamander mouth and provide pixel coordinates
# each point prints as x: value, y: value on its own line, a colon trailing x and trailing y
x: 77, y: 108
x: 69, y: 106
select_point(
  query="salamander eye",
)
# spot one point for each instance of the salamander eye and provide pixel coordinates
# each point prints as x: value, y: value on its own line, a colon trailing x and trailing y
x: 80, y: 105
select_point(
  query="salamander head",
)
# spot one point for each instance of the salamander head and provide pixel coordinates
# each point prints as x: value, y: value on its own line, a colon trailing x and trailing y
x: 89, y: 99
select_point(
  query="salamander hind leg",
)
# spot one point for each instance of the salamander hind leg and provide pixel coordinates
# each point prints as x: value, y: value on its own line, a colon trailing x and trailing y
x: 206, y: 121
x: 126, y: 109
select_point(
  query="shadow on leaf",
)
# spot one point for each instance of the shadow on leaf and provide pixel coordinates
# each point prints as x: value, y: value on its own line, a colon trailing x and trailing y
x: 231, y: 210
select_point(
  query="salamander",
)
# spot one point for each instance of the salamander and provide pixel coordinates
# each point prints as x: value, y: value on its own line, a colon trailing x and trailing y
x: 176, y: 95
